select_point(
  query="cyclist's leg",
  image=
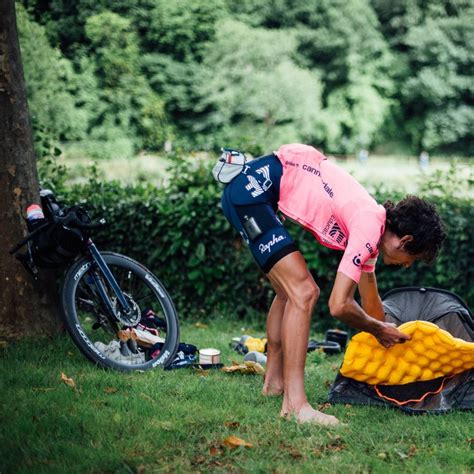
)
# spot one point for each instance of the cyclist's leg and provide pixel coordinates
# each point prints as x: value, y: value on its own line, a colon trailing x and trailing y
x: 292, y: 276
x: 273, y: 384
x: 253, y: 214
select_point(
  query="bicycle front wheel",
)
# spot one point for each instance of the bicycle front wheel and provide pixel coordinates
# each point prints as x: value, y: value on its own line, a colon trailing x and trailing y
x: 145, y: 338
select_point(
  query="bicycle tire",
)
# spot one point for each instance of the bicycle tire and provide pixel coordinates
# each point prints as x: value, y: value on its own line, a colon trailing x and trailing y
x: 77, y: 293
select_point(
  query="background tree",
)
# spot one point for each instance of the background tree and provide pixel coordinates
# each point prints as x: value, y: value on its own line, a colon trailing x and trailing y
x: 255, y: 93
x: 25, y: 306
x: 129, y: 108
x: 432, y: 41
x: 339, y: 40
x: 53, y: 88
x: 132, y: 73
x: 439, y: 94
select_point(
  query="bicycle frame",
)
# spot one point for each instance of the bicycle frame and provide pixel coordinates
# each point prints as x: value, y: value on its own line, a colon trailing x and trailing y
x: 97, y: 257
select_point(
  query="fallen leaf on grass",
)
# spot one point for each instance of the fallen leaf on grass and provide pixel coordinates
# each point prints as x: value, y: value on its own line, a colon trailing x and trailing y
x: 67, y: 380
x: 213, y: 451
x: 335, y: 447
x: 337, y: 444
x: 470, y: 440
x: 296, y: 454
x: 405, y: 455
x: 110, y: 389
x: 232, y: 424
x: 412, y: 451
x: 382, y: 455
x: 200, y: 325
x: 198, y: 460
x: 234, y: 442
x: 248, y: 367
x: 324, y: 406
x: 201, y: 372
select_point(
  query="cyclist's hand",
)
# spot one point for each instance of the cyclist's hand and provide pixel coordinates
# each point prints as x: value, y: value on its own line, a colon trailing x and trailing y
x: 388, y: 335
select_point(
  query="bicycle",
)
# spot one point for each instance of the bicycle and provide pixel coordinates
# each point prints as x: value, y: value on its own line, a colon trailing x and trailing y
x: 116, y: 311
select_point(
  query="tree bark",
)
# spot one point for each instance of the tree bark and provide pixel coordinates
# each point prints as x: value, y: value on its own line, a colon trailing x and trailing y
x: 26, y: 306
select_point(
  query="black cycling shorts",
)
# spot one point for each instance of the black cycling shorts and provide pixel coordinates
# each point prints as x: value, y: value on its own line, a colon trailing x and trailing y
x: 250, y: 202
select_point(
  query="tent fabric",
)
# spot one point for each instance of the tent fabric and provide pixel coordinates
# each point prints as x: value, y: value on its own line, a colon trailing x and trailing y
x: 449, y: 312
x: 458, y: 393
x: 441, y: 307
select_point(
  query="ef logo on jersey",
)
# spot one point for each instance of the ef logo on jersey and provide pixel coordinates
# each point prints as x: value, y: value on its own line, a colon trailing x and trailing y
x: 356, y: 260
x: 254, y: 186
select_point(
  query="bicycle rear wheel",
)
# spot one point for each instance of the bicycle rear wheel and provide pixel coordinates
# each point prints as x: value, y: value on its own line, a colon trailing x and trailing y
x: 148, y: 337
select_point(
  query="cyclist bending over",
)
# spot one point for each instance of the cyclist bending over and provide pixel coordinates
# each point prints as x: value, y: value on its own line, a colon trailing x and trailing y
x: 305, y: 186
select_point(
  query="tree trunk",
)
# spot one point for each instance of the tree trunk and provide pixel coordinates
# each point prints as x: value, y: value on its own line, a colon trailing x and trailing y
x: 26, y: 306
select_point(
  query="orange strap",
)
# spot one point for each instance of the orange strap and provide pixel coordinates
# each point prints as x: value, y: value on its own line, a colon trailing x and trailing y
x: 381, y: 395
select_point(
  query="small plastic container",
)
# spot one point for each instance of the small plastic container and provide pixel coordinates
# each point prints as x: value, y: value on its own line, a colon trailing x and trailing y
x: 209, y: 356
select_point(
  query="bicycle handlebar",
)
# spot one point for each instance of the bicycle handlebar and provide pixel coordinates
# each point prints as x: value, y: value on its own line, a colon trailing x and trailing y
x: 71, y: 220
x: 20, y: 244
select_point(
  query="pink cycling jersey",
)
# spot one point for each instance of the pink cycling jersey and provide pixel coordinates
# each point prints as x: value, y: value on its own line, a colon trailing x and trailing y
x: 332, y: 205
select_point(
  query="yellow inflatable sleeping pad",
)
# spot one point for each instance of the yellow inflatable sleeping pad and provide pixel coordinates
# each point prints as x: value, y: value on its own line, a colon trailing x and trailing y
x: 430, y: 353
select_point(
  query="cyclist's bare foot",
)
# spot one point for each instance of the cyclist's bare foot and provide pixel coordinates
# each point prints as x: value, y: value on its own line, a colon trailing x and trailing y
x: 272, y: 390
x: 307, y: 414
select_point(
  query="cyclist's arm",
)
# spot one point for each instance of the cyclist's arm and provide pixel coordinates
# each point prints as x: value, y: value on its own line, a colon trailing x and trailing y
x: 370, y: 298
x: 343, y: 306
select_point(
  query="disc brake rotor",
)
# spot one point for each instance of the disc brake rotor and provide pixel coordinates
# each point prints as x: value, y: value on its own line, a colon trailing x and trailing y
x: 130, y: 319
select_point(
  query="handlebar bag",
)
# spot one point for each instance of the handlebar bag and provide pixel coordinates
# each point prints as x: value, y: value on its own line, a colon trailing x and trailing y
x: 58, y: 244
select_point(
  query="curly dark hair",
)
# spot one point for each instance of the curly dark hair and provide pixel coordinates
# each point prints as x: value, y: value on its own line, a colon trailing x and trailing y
x: 419, y: 218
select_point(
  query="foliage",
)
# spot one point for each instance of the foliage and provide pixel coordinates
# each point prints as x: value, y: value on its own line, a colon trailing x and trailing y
x: 432, y: 40
x: 129, y: 106
x: 179, y: 231
x: 51, y: 86
x: 257, y: 89
x: 341, y: 41
x: 181, y: 29
x: 341, y: 74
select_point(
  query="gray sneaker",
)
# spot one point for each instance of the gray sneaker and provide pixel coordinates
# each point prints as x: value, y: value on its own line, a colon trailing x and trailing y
x: 120, y: 352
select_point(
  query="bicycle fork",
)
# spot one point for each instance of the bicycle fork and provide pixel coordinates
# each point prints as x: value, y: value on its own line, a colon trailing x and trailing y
x: 99, y: 260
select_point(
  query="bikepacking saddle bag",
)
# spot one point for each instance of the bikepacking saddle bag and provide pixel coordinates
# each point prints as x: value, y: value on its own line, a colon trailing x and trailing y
x: 229, y: 165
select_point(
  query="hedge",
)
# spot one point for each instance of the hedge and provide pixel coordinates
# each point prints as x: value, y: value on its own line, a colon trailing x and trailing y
x: 180, y: 233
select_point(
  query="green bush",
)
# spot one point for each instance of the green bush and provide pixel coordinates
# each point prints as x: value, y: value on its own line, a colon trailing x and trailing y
x: 180, y: 233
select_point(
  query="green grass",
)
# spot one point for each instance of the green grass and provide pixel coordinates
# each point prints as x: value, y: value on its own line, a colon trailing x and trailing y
x: 176, y: 421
